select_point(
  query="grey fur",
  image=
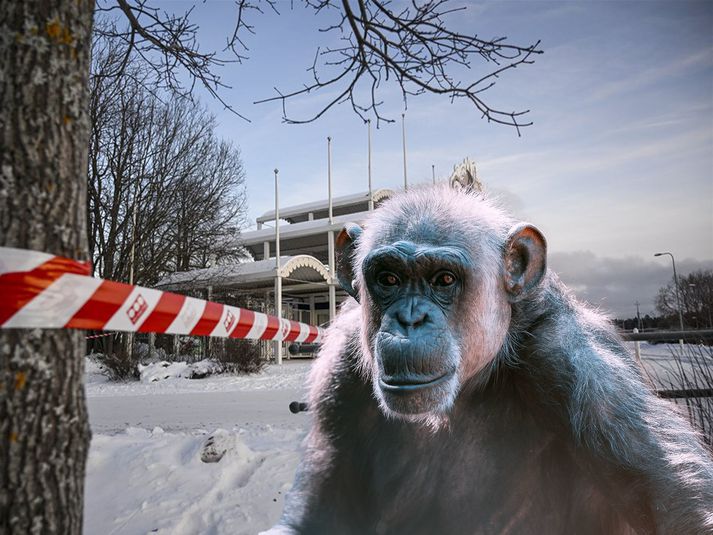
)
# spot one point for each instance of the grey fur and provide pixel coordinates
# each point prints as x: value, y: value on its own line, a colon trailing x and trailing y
x: 557, y: 433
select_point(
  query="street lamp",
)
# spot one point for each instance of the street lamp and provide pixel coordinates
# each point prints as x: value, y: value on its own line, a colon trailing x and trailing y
x: 675, y: 282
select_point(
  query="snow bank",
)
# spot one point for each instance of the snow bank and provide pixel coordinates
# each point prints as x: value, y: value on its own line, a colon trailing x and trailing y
x: 159, y: 371
x: 145, y: 474
x: 94, y: 372
x: 291, y: 375
x: 143, y: 481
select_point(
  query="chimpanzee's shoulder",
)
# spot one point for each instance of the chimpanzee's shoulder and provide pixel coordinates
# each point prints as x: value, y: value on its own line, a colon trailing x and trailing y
x: 338, y: 371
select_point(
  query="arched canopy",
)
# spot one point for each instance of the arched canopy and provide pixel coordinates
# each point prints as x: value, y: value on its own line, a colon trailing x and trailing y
x: 303, y: 268
x: 301, y: 273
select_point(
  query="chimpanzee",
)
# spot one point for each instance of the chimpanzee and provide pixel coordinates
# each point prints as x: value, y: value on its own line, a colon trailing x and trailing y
x: 464, y: 390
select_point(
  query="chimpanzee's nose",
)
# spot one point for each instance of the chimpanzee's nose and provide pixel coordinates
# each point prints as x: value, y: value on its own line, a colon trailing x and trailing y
x: 411, y: 314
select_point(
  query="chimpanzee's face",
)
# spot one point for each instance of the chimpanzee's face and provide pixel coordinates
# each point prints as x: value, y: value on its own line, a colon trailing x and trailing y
x: 414, y: 292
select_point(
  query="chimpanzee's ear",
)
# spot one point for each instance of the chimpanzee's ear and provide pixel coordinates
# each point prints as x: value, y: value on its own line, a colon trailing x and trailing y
x: 525, y: 261
x: 345, y: 245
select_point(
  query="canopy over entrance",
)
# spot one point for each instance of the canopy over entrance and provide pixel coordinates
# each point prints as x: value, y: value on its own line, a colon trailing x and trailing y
x: 300, y: 274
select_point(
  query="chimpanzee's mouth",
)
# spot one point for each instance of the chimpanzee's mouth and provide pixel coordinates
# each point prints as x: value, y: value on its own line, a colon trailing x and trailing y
x: 411, y: 383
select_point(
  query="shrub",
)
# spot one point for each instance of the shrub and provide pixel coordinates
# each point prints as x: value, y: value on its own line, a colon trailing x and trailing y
x: 238, y: 356
x: 118, y: 367
x: 692, y: 369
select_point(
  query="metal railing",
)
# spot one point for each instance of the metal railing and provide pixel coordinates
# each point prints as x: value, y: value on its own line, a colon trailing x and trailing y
x: 658, y: 336
x: 673, y: 337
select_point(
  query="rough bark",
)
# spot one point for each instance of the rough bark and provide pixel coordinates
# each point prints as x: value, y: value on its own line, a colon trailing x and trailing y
x: 44, y: 431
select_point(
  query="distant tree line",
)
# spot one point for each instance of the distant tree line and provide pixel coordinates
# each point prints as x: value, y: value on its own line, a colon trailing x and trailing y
x: 161, y: 185
x: 645, y: 322
x: 695, y: 292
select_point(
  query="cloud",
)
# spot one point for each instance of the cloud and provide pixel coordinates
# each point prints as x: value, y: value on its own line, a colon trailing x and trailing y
x: 652, y: 75
x: 615, y: 284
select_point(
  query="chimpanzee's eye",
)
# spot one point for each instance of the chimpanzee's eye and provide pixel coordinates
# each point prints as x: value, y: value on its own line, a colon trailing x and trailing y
x: 386, y: 278
x: 444, y: 278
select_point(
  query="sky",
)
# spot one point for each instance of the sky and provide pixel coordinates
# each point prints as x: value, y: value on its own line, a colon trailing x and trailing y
x: 618, y: 164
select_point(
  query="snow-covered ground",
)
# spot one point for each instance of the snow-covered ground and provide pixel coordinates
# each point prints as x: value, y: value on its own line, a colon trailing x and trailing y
x: 145, y: 475
x: 661, y: 366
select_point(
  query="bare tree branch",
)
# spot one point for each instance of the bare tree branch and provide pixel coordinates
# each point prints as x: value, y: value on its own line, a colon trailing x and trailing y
x: 412, y: 47
x: 168, y: 43
x: 415, y: 48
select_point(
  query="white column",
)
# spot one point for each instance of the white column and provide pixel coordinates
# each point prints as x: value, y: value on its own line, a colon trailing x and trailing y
x: 278, y: 274
x: 278, y: 313
x: 332, y: 302
x: 265, y: 250
x: 637, y: 348
x: 332, y: 276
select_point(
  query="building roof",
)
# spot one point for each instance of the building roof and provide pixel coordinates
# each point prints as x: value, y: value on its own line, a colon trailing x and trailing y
x: 302, y: 273
x: 358, y: 202
x: 308, y: 237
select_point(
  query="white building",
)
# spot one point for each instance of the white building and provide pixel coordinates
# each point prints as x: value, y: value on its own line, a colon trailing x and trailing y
x: 305, y: 287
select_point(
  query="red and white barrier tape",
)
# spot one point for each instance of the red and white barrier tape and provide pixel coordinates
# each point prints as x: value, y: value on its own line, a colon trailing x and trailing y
x: 92, y: 337
x: 39, y: 290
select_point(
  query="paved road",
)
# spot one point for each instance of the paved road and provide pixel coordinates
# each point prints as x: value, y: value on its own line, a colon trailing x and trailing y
x: 189, y: 411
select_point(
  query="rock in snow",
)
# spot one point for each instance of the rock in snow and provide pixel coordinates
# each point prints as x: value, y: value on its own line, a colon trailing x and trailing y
x: 147, y: 469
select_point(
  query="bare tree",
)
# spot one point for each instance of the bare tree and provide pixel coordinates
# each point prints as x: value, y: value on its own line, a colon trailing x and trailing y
x: 379, y: 42
x: 696, y: 294
x: 162, y: 186
x: 44, y: 432
x: 211, y: 207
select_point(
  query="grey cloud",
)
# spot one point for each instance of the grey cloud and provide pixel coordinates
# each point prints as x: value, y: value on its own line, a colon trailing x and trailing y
x: 615, y: 284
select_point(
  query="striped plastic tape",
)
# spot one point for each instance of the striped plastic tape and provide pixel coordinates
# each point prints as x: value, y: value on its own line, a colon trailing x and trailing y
x: 39, y: 290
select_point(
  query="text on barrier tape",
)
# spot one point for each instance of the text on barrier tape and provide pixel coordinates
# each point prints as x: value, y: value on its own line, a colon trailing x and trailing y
x: 39, y: 290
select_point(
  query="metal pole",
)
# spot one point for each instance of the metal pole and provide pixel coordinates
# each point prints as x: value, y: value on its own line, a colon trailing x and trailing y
x: 403, y: 141
x: 330, y: 233
x: 638, y: 316
x: 678, y: 295
x: 675, y: 282
x: 371, y: 196
x: 278, y: 273
x: 208, y: 343
x: 329, y: 176
x: 277, y: 223
x: 433, y: 172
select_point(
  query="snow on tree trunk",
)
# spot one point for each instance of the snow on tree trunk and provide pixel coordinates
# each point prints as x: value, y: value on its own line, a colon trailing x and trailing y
x: 44, y: 431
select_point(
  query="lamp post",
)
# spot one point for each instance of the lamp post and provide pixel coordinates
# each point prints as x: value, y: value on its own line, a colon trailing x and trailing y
x: 675, y: 282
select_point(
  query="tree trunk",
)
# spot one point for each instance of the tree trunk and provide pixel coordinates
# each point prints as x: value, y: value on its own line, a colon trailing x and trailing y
x: 44, y: 431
